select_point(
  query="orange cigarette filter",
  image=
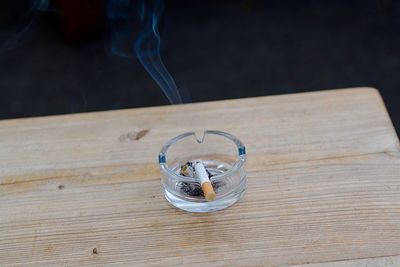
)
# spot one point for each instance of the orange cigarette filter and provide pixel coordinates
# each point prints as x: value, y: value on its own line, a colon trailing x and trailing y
x: 208, y: 191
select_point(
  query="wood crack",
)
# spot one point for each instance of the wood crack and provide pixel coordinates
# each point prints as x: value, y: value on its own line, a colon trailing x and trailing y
x: 391, y: 153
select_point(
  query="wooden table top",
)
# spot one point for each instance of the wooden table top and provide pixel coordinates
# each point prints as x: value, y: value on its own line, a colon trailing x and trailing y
x: 323, y: 186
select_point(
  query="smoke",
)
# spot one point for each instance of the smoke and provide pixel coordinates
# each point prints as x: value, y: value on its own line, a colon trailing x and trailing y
x: 134, y: 26
x: 41, y: 5
x: 134, y: 29
x: 124, y: 21
x: 18, y: 21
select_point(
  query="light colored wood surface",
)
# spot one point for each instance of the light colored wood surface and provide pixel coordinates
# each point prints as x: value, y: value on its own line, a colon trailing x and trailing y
x: 390, y: 261
x: 323, y: 186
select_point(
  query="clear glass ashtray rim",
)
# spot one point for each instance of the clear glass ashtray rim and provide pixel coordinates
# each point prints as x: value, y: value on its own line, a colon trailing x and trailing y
x: 170, y: 173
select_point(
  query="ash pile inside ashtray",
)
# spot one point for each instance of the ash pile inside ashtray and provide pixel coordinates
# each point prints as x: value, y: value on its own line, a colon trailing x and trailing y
x: 194, y: 189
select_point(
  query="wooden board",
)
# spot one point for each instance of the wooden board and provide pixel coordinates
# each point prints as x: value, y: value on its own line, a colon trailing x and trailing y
x: 323, y: 186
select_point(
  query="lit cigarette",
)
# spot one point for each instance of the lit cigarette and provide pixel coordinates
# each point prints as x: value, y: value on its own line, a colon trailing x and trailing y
x: 206, y: 185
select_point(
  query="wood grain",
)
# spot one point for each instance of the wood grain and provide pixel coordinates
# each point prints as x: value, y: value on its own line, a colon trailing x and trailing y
x: 323, y: 186
x: 390, y: 261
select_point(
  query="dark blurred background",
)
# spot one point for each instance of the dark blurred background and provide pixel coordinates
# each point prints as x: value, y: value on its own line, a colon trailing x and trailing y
x: 57, y: 58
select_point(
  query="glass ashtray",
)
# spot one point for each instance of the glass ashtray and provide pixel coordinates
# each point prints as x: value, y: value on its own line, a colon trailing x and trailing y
x: 188, y: 163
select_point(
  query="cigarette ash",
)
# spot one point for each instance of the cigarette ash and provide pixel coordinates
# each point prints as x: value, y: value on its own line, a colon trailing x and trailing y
x: 194, y: 189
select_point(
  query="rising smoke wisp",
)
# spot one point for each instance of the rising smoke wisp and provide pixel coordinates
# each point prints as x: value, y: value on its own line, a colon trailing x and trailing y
x: 134, y: 26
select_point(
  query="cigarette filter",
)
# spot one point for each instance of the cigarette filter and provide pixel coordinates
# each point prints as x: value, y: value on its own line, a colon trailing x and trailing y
x: 206, y: 185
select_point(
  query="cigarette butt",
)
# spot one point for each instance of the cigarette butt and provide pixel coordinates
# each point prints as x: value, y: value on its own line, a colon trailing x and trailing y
x: 206, y: 185
x: 184, y: 170
x: 187, y: 170
x: 208, y: 191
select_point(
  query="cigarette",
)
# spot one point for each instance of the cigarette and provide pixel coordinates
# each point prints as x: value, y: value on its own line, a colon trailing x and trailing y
x: 187, y: 170
x: 206, y: 185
